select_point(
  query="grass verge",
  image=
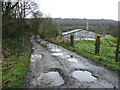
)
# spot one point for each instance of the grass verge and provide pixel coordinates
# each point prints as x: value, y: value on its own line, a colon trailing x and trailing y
x: 14, y: 69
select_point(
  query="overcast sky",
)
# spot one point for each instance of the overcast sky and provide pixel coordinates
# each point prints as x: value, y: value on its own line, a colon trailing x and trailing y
x: 90, y: 9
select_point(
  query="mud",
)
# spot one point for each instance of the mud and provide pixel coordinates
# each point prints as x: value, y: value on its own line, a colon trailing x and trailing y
x: 53, y: 66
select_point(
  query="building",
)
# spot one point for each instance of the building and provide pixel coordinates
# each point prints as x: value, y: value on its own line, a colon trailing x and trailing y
x: 80, y: 34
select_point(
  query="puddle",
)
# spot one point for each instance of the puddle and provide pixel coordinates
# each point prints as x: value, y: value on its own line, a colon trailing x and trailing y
x: 35, y: 56
x: 49, y: 46
x: 43, y: 42
x: 72, y: 60
x: 38, y: 38
x: 50, y: 79
x: 55, y: 50
x: 84, y: 76
x: 57, y: 54
x: 63, y: 57
x: 68, y: 56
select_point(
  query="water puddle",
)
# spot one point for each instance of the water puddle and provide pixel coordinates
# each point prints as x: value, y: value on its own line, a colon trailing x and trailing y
x: 43, y: 42
x: 38, y: 38
x: 50, y: 79
x: 35, y: 57
x: 57, y: 54
x: 84, y: 76
x: 55, y: 50
x: 49, y: 46
x: 72, y: 60
x: 68, y: 56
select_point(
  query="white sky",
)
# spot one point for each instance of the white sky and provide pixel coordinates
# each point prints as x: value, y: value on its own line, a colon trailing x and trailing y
x: 90, y: 9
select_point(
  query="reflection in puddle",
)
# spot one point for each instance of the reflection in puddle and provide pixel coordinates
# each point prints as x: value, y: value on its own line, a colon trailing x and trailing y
x: 55, y: 50
x: 72, y: 60
x: 51, y: 79
x: 57, y: 54
x: 68, y: 56
x: 83, y: 76
x: 35, y: 57
x: 49, y: 46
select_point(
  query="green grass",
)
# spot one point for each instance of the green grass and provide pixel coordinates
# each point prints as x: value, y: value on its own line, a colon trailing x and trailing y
x: 14, y: 69
x: 86, y: 48
x: 106, y: 51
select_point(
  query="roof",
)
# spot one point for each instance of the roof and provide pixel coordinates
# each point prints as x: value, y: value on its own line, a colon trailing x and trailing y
x: 78, y: 30
x: 72, y: 31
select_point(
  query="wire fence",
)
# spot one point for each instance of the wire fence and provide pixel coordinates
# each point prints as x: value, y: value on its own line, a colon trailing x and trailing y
x: 85, y: 45
x: 106, y: 46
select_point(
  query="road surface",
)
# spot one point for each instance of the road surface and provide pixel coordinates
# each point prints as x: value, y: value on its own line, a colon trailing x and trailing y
x: 54, y: 66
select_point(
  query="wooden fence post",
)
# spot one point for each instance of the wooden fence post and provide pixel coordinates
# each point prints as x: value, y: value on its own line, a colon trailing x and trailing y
x: 97, y: 45
x: 117, y: 50
x: 72, y: 40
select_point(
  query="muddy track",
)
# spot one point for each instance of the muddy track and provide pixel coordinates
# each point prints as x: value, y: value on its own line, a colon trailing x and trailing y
x: 54, y: 66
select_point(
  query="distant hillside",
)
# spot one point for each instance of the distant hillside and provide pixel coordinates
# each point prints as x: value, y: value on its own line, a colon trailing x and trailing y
x: 103, y: 26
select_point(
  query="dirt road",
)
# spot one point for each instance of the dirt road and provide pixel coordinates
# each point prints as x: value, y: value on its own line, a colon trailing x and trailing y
x: 53, y: 66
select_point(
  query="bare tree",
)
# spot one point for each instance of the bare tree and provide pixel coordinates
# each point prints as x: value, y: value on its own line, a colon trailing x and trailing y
x: 14, y: 14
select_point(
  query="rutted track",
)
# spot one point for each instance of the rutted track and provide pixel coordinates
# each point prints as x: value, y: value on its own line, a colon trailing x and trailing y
x: 49, y: 60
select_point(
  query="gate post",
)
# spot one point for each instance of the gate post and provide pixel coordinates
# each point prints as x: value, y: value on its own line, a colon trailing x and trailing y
x: 117, y: 50
x: 97, y: 45
x: 72, y: 40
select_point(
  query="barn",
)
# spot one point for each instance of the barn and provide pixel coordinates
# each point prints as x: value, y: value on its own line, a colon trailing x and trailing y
x: 80, y: 34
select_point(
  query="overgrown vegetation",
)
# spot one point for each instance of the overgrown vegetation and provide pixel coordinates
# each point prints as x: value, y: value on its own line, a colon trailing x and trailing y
x: 16, y: 30
x: 14, y: 69
x: 86, y: 49
x: 49, y: 28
